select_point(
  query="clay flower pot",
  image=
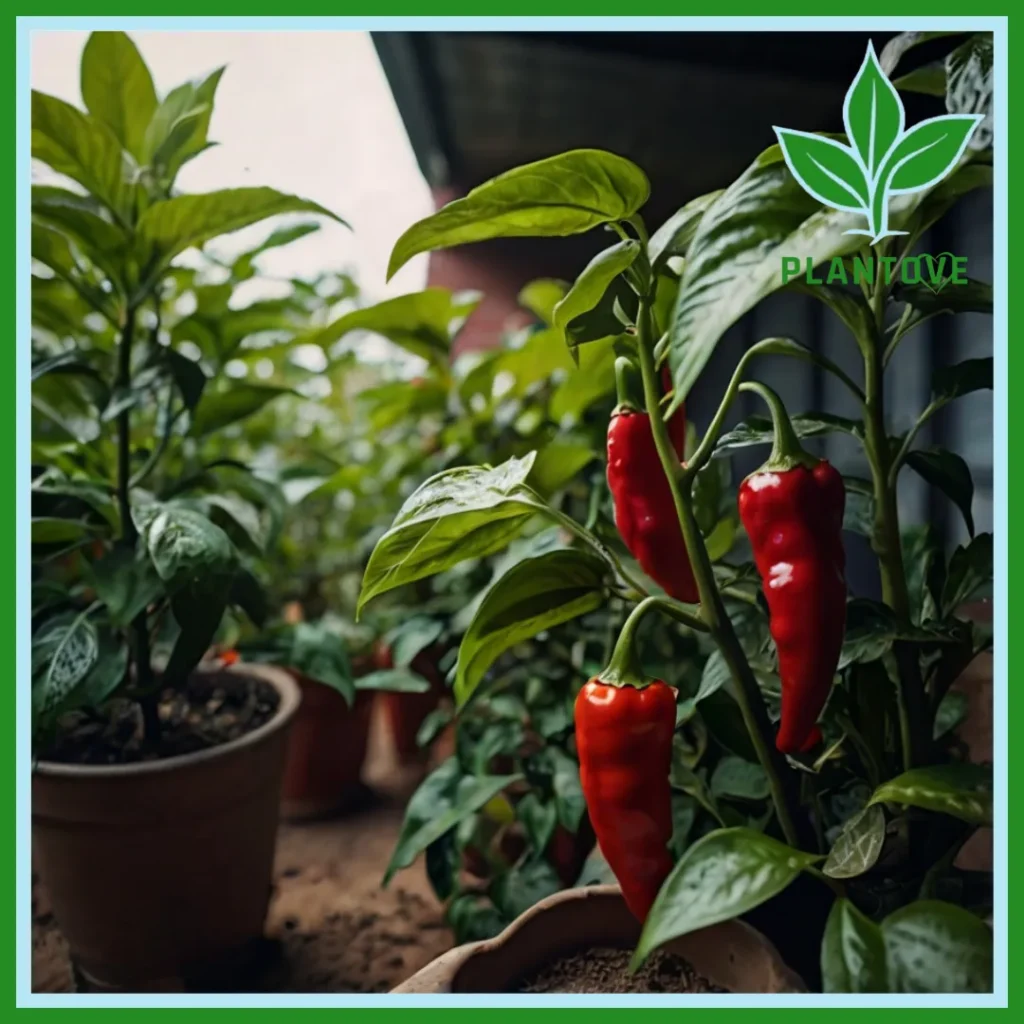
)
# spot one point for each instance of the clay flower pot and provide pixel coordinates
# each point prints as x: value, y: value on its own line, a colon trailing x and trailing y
x: 731, y: 955
x: 160, y: 871
x: 326, y: 751
x: 406, y: 712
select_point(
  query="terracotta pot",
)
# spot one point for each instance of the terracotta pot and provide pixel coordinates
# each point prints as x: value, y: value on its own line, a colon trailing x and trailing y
x: 326, y: 751
x: 160, y: 871
x: 731, y: 955
x: 406, y: 712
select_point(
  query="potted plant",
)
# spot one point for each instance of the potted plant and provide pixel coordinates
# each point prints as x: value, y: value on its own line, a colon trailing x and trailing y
x: 829, y: 761
x: 155, y: 785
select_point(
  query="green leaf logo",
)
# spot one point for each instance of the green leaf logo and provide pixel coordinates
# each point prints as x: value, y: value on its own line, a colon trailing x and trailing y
x: 882, y: 159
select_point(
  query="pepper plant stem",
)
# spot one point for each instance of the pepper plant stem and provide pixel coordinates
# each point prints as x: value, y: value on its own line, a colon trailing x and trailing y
x: 886, y: 533
x: 129, y: 535
x: 748, y: 694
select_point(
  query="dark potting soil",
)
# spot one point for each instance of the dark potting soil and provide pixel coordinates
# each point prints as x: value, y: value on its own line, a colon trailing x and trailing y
x: 607, y: 971
x: 214, y: 708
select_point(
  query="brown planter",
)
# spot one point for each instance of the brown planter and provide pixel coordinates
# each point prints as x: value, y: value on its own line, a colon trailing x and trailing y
x: 326, y: 751
x: 160, y: 871
x: 406, y: 712
x: 731, y: 955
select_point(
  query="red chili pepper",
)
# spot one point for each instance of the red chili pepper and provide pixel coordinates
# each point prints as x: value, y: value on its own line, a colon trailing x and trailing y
x: 229, y: 657
x: 624, y: 741
x: 792, y: 510
x: 645, y: 513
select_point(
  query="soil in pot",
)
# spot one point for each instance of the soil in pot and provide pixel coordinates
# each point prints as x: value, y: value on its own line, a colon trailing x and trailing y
x: 607, y: 971
x: 212, y: 709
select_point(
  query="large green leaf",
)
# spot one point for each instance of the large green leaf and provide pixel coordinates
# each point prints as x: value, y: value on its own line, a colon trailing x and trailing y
x: 82, y: 220
x: 950, y: 473
x: 461, y: 513
x: 178, y: 129
x: 963, y: 791
x: 64, y: 651
x: 969, y: 84
x: 184, y: 545
x: 852, y: 952
x: 673, y: 238
x: 559, y: 463
x: 117, y: 87
x: 219, y: 409
x: 562, y: 195
x: 198, y: 608
x: 932, y: 946
x: 969, y: 574
x: 170, y: 227
x: 532, y: 596
x: 126, y: 583
x: 723, y: 875
x: 85, y: 150
x: 735, y: 259
x: 422, y: 323
x: 593, y: 282
x: 444, y: 799
x: 541, y: 296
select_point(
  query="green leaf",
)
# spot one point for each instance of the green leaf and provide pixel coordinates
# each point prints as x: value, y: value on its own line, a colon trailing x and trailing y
x: 178, y: 129
x: 952, y: 382
x: 219, y: 409
x: 541, y: 296
x: 969, y: 84
x: 826, y: 169
x: 963, y: 791
x: 565, y: 781
x: 593, y: 282
x: 735, y: 259
x: 523, y: 885
x: 393, y: 680
x: 872, y: 114
x: 951, y: 712
x: 937, y: 947
x: 969, y: 573
x: 248, y: 594
x: 858, y: 846
x: 735, y: 778
x: 759, y: 430
x: 185, y: 546
x: 715, y: 675
x: 170, y: 227
x: 534, y: 595
x: 723, y: 875
x: 539, y: 820
x: 56, y: 530
x: 117, y: 87
x: 592, y: 381
x: 189, y: 377
x: 562, y: 195
x: 949, y: 472
x: 559, y: 463
x: 924, y: 563
x: 198, y: 607
x: 126, y: 583
x: 83, y: 149
x: 927, y: 153
x: 69, y: 647
x: 422, y: 323
x: 929, y: 80
x: 444, y: 799
x: 411, y: 636
x: 82, y: 219
x: 853, y: 957
x: 461, y: 513
x: 691, y: 783
x: 859, y: 512
x: 673, y: 238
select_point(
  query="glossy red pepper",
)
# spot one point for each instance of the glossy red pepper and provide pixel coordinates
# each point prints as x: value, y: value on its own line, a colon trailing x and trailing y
x: 645, y: 513
x: 792, y: 510
x: 624, y: 741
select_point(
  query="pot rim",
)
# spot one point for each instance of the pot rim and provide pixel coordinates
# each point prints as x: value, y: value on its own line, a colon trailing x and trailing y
x: 286, y: 687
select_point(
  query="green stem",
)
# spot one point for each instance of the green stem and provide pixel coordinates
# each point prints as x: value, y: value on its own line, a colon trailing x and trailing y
x: 787, y: 452
x: 129, y: 535
x: 624, y: 667
x: 748, y: 694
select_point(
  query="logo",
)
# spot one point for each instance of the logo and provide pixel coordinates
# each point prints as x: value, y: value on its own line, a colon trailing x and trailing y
x: 883, y: 157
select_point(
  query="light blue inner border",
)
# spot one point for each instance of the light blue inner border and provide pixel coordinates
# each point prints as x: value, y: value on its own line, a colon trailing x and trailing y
x: 998, y: 26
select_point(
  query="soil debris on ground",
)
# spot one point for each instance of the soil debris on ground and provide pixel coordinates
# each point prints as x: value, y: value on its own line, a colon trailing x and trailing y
x: 607, y: 971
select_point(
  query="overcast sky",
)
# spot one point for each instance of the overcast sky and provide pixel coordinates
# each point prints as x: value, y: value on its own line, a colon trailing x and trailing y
x: 305, y: 112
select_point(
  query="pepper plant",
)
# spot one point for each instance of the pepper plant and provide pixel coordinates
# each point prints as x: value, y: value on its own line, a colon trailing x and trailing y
x: 127, y: 558
x: 866, y: 790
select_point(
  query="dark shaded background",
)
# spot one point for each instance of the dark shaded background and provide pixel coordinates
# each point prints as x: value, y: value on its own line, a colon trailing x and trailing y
x: 693, y: 109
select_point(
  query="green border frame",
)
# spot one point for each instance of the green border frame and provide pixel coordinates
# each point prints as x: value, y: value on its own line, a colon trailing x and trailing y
x: 106, y: 14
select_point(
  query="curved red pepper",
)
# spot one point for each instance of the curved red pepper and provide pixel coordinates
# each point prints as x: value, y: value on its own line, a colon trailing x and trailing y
x: 645, y: 513
x: 624, y: 741
x: 792, y: 510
